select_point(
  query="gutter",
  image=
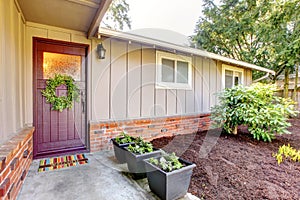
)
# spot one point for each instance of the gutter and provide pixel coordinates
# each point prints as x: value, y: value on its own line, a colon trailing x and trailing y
x: 193, y: 51
x: 262, y: 78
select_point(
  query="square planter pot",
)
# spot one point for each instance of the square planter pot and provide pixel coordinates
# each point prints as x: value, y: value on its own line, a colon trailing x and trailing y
x: 120, y: 151
x: 135, y: 162
x: 169, y: 185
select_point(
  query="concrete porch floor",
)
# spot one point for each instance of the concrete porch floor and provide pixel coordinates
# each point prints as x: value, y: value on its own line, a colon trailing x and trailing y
x: 102, y: 179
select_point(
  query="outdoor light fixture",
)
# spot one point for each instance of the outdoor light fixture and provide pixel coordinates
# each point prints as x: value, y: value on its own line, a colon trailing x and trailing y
x: 101, y: 51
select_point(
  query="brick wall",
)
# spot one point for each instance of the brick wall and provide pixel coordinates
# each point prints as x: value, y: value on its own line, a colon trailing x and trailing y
x: 15, y: 160
x: 149, y: 129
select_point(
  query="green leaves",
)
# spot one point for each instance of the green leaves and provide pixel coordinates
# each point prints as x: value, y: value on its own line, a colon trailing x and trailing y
x: 168, y: 162
x: 140, y: 147
x: 117, y: 15
x: 287, y: 152
x: 124, y: 138
x: 62, y: 102
x: 265, y: 33
x: 255, y: 106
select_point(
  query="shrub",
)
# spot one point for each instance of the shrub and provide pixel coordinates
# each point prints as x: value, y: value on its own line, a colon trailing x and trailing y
x: 287, y: 152
x: 255, y: 106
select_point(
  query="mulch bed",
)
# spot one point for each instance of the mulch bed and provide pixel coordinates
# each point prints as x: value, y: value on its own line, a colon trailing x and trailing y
x: 237, y: 166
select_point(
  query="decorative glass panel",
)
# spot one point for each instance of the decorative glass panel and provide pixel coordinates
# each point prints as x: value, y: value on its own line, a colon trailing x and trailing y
x: 182, y: 72
x: 228, y: 79
x: 168, y: 68
x: 55, y: 63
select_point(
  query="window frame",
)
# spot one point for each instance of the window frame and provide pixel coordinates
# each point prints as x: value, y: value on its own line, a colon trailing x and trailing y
x: 174, y: 85
x: 233, y: 69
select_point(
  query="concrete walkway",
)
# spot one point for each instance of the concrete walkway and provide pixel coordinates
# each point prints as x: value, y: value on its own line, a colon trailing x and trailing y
x: 101, y: 179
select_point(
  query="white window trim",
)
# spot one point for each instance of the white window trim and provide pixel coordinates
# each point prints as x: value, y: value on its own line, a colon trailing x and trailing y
x: 231, y: 68
x: 167, y: 85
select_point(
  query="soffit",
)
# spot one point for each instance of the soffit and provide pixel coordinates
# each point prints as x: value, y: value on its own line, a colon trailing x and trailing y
x: 79, y: 15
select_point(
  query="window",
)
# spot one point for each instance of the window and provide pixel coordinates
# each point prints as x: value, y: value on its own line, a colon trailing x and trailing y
x: 173, y: 71
x: 231, y: 76
x: 56, y: 63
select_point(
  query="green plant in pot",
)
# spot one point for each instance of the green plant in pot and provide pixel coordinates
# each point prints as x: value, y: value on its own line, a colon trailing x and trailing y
x: 124, y: 138
x: 121, y: 141
x: 136, y: 154
x: 140, y: 147
x: 168, y: 162
x: 169, y: 176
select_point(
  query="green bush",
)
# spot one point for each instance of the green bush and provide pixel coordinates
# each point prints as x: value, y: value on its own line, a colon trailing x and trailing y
x: 255, y: 106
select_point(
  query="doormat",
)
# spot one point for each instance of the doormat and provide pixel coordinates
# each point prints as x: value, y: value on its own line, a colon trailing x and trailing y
x: 62, y: 162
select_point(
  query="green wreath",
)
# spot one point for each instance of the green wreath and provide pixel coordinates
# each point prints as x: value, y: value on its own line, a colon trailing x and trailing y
x: 62, y: 102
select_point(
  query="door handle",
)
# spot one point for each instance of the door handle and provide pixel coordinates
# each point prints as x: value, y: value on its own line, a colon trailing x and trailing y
x: 82, y: 101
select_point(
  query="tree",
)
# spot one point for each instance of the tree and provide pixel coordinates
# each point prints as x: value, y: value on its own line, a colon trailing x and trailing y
x: 262, y: 32
x: 284, y: 31
x: 117, y: 15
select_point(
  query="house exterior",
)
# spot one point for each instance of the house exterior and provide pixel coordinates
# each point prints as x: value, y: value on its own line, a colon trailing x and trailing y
x: 152, y: 88
x: 146, y: 87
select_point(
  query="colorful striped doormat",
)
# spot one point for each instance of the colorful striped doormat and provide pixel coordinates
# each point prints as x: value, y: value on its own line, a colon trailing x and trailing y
x: 62, y: 162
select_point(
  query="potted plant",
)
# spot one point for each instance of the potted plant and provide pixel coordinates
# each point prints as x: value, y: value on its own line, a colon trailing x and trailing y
x: 119, y: 143
x: 136, y: 154
x: 169, y: 176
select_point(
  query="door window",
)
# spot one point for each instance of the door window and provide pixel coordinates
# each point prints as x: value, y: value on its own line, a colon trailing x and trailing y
x: 56, y: 63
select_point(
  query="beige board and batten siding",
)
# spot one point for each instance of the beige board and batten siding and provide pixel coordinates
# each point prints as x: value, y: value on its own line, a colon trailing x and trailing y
x: 12, y: 90
x: 134, y: 80
x: 248, y: 77
x: 124, y: 84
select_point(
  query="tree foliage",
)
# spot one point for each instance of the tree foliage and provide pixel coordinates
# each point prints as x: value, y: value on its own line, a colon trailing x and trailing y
x: 262, y: 32
x: 117, y: 15
x: 255, y: 106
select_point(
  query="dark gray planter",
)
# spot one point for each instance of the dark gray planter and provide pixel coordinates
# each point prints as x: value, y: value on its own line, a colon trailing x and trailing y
x: 120, y: 151
x: 169, y: 185
x: 135, y: 162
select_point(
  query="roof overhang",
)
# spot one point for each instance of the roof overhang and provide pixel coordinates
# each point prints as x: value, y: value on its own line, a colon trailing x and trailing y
x: 78, y: 15
x: 185, y: 49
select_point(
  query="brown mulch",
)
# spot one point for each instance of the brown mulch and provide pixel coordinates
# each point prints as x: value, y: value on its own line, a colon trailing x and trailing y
x: 237, y: 166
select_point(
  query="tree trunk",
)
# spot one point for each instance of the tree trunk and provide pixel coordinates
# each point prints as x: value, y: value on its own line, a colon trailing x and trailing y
x: 234, y: 131
x: 286, y: 82
x: 296, y: 85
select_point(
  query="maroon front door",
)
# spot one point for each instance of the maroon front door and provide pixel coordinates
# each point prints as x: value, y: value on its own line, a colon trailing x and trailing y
x: 58, y: 132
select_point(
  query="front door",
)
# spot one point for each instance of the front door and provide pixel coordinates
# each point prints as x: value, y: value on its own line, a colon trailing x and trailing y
x: 58, y: 132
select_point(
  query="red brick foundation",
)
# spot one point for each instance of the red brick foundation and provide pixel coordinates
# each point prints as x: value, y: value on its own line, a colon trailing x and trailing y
x: 15, y: 160
x: 149, y: 129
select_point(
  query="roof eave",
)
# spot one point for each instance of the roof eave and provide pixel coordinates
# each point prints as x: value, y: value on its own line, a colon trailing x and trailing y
x: 199, y: 52
x: 104, y: 5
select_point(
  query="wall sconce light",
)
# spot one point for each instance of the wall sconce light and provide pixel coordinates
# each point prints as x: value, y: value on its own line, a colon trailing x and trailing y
x: 101, y: 51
